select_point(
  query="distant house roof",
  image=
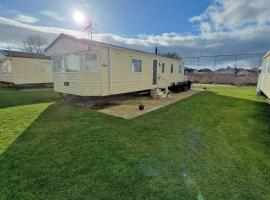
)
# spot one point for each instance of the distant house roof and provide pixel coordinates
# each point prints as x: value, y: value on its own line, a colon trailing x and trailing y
x: 228, y: 70
x: 225, y: 69
x: 187, y: 69
x: 21, y: 54
x: 88, y: 41
x: 205, y: 70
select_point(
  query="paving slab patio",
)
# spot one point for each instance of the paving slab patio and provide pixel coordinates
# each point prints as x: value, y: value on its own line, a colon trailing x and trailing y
x: 128, y: 109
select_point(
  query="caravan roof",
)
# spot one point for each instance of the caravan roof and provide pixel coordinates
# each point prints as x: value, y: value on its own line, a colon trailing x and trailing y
x: 89, y: 41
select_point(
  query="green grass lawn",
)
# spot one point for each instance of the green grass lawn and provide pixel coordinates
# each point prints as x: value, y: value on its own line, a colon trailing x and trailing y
x: 215, y: 144
x: 10, y: 97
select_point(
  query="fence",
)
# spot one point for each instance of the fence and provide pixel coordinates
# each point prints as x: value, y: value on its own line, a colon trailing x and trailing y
x: 238, y: 69
x: 211, y: 78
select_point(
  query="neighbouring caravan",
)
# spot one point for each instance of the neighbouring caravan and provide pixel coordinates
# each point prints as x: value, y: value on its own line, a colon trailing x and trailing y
x: 263, y: 85
x: 22, y: 68
x: 85, y: 67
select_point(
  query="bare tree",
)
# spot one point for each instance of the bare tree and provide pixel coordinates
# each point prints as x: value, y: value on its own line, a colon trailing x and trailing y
x: 34, y: 44
x: 171, y: 55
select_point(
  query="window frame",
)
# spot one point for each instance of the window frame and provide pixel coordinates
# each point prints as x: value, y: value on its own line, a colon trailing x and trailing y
x: 3, y: 61
x: 62, y: 60
x: 163, y: 67
x: 172, y: 68
x: 83, y: 68
x: 131, y: 65
x: 65, y: 62
x: 82, y: 61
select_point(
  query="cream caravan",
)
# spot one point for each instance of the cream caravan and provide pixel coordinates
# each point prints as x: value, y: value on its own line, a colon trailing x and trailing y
x: 22, y: 68
x: 89, y: 68
x: 263, y: 85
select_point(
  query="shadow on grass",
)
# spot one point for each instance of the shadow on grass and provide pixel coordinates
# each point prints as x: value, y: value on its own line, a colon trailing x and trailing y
x: 12, y: 97
x: 15, y: 120
x: 69, y: 152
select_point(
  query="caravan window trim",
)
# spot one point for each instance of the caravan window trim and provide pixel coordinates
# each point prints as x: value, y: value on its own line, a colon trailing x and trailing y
x: 63, y: 59
x: 82, y: 62
x: 163, y: 67
x: 172, y: 68
x: 66, y: 64
x: 1, y: 66
x: 131, y: 65
x: 98, y: 61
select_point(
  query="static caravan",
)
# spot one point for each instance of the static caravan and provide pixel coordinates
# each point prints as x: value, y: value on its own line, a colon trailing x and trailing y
x: 85, y: 67
x: 21, y: 68
x: 263, y: 85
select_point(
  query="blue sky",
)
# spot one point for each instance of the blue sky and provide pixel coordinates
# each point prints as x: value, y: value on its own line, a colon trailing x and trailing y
x: 189, y: 27
x: 129, y: 18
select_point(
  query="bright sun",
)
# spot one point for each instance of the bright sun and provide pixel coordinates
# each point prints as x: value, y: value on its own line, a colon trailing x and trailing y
x: 78, y: 17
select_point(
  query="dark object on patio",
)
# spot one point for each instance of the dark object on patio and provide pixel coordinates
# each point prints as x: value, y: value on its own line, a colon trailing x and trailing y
x: 141, y: 107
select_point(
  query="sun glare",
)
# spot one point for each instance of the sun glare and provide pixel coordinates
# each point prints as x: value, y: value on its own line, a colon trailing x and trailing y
x: 78, y: 17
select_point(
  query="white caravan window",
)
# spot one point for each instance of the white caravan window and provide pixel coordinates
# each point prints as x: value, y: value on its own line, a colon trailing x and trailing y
x: 180, y: 69
x: 73, y: 62
x: 45, y: 66
x: 163, y: 67
x: 91, y: 62
x: 171, y: 68
x: 58, y: 63
x: 136, y: 65
x: 6, y: 66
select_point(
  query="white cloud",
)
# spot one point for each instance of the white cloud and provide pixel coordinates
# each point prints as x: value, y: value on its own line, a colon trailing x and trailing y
x: 205, y: 27
x: 205, y: 43
x: 238, y: 27
x: 52, y: 14
x: 196, y: 18
x: 26, y: 19
x: 42, y: 29
x: 232, y: 14
x: 4, y: 45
